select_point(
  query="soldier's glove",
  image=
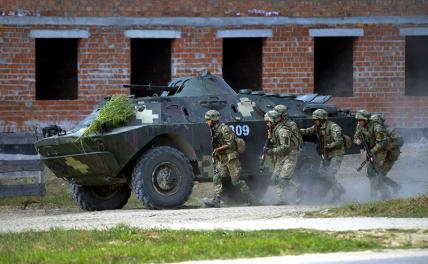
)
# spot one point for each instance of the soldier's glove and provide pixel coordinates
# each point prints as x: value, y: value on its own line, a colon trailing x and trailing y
x: 328, y: 146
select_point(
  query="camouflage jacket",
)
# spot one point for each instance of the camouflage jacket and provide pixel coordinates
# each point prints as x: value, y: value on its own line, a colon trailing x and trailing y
x: 375, y: 136
x: 282, y: 141
x: 223, y: 135
x: 296, y: 136
x: 331, y: 137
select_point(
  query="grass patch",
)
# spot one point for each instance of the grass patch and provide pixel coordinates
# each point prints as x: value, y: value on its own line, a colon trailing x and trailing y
x: 123, y: 244
x: 409, y: 207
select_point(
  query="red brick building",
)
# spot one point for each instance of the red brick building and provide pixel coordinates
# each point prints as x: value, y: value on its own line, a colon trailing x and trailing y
x: 60, y: 58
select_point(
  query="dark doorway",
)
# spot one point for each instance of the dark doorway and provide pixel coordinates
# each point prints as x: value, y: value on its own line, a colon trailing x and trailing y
x: 242, y: 63
x: 150, y: 64
x: 416, y: 66
x: 333, y: 69
x: 56, y: 69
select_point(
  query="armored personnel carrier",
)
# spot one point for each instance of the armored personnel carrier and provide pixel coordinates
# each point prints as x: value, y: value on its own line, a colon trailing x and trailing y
x: 166, y: 146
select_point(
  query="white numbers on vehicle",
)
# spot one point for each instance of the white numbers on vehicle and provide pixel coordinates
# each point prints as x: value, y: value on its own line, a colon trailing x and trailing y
x: 240, y: 130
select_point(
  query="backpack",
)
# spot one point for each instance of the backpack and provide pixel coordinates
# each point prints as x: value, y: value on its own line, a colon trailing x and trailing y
x: 395, y: 140
x: 240, y: 144
x: 296, y: 133
x: 347, y: 141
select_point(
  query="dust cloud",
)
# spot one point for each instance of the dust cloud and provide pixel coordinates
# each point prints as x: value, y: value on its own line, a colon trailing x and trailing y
x: 410, y: 171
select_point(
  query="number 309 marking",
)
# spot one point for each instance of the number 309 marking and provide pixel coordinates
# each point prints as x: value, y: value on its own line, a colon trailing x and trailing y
x: 239, y: 130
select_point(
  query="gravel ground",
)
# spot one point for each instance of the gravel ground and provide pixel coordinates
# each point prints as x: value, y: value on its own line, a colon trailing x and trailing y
x: 409, y: 171
x: 231, y: 218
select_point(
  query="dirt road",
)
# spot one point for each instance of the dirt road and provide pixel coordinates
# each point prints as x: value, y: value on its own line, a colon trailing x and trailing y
x: 244, y: 218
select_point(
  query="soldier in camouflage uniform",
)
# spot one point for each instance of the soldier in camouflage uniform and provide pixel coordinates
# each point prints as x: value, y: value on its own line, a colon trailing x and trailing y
x: 331, y: 147
x: 376, y: 139
x: 227, y: 157
x: 395, y: 141
x: 283, y: 111
x: 285, y: 149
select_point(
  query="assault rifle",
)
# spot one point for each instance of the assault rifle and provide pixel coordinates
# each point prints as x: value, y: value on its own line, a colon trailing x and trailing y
x: 213, y: 155
x: 153, y: 88
x: 264, y: 152
x: 321, y: 147
x: 370, y: 156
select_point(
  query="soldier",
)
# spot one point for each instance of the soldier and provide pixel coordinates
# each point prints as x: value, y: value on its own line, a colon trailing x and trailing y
x: 395, y: 141
x: 283, y: 111
x: 285, y: 149
x: 331, y: 147
x: 372, y: 135
x: 227, y: 157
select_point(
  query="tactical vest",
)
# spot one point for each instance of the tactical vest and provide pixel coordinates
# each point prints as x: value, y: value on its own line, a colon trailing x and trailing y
x: 297, y: 137
x: 369, y: 134
x: 294, y: 147
x: 219, y: 140
x: 327, y: 138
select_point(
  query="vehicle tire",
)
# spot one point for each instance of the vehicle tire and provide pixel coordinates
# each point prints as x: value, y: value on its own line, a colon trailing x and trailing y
x: 98, y: 198
x: 163, y: 178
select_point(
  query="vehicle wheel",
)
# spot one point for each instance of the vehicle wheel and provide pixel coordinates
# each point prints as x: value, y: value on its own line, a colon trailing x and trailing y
x: 98, y: 198
x: 163, y: 178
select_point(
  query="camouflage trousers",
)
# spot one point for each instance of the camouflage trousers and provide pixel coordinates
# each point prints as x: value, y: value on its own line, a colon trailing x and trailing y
x: 377, y: 177
x: 282, y: 173
x: 390, y: 159
x: 230, y: 169
x: 328, y: 171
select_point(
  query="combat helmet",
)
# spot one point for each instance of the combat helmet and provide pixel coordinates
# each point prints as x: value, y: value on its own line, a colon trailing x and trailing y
x: 212, y: 115
x: 272, y: 116
x: 320, y: 114
x: 377, y: 118
x: 362, y: 115
x: 282, y: 110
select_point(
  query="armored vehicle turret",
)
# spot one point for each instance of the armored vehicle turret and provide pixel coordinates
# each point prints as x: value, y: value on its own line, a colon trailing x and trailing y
x: 166, y: 146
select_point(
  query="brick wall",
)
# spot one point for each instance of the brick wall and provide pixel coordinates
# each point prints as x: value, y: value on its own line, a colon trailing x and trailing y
x: 379, y: 79
x: 154, y: 8
x: 288, y: 60
x: 198, y: 49
x: 288, y: 56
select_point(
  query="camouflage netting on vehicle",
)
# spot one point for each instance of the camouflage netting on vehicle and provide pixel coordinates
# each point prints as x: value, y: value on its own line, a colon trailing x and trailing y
x: 115, y: 113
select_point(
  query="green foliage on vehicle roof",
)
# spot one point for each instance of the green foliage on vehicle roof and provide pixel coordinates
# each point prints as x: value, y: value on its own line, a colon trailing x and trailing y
x: 115, y: 113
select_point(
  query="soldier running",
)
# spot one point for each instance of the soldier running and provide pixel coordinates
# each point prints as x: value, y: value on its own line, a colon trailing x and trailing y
x: 371, y: 135
x: 227, y: 159
x: 283, y: 111
x: 331, y: 148
x: 395, y: 141
x: 284, y: 152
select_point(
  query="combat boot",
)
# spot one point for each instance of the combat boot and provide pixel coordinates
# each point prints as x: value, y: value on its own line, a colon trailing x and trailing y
x: 300, y: 194
x: 212, y: 202
x: 251, y: 199
x: 282, y: 199
x: 396, y: 188
x: 338, y: 191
